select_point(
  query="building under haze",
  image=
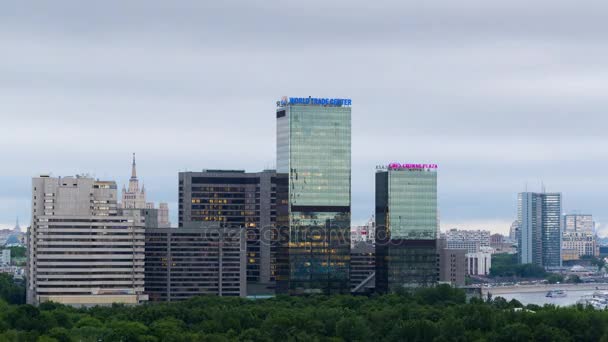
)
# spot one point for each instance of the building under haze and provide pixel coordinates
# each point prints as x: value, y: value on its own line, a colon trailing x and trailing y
x: 82, y: 250
x: 406, y: 226
x: 235, y: 199
x: 540, y: 236
x: 579, y: 238
x: 135, y: 198
x: 314, y: 212
x: 471, y: 240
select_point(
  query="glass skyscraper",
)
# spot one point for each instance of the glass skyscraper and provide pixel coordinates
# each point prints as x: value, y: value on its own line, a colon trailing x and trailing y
x: 540, y: 238
x: 313, y: 195
x: 406, y: 227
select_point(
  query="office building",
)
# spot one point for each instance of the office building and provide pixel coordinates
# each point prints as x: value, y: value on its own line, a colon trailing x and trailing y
x: 82, y: 250
x: 452, y: 264
x: 406, y: 227
x: 187, y: 262
x: 235, y: 199
x: 314, y: 171
x: 540, y: 240
x: 479, y: 263
x: 6, y: 257
x: 363, y: 267
x: 471, y: 240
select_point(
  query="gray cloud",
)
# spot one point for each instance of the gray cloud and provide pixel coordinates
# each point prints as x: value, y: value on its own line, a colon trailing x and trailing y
x: 499, y: 94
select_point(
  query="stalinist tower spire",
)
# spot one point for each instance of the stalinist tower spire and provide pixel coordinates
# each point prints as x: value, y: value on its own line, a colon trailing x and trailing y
x: 132, y: 197
x: 133, y: 171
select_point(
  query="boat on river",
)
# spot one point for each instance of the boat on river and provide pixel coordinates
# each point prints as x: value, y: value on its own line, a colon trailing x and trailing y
x: 556, y: 294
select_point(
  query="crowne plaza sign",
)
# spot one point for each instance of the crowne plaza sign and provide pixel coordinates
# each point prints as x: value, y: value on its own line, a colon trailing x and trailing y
x: 407, y: 166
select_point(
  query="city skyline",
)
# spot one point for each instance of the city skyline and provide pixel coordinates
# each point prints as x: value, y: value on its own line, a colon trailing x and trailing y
x: 500, y: 104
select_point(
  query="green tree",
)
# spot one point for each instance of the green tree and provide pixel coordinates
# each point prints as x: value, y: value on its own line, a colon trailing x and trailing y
x: 353, y: 329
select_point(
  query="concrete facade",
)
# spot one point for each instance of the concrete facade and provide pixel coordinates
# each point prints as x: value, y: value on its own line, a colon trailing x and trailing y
x: 479, y: 263
x: 82, y: 250
x: 452, y: 264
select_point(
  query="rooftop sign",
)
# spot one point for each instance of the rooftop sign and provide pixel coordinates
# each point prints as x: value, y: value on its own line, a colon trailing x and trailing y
x: 399, y: 166
x: 314, y: 101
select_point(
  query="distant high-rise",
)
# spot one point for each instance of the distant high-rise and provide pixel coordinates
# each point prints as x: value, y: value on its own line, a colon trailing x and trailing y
x: 514, y: 232
x: 579, y: 223
x: 406, y: 226
x: 471, y: 240
x: 163, y: 215
x: 82, y: 250
x: 314, y: 195
x: 540, y: 237
x: 235, y: 199
x: 133, y: 197
x: 579, y: 237
x: 17, y: 229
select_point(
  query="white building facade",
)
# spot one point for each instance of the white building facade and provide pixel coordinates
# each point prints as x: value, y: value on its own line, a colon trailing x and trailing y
x: 479, y: 263
x: 471, y: 240
x: 81, y: 250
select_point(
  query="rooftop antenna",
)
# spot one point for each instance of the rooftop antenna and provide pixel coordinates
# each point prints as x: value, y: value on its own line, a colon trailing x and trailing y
x: 542, y: 186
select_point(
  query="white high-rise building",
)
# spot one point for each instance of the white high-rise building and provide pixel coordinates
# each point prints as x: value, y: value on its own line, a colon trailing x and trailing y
x: 82, y: 250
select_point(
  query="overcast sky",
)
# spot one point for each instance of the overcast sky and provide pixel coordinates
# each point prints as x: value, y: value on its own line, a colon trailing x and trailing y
x: 497, y: 94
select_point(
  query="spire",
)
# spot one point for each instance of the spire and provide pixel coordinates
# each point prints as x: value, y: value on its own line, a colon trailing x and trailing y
x: 133, y: 172
x: 17, y: 228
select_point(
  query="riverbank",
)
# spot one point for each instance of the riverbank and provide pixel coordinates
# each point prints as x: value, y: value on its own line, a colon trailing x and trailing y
x: 499, y: 290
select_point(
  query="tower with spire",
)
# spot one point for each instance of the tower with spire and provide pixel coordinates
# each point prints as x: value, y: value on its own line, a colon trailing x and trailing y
x: 133, y: 197
x: 17, y: 229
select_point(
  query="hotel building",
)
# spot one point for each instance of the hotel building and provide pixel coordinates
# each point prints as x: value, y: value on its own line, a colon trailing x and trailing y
x: 406, y: 227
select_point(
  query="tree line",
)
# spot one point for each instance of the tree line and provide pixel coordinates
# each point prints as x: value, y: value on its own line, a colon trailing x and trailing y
x: 436, y: 314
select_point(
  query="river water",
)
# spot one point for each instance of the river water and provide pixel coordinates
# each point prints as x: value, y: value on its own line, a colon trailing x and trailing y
x: 539, y: 298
